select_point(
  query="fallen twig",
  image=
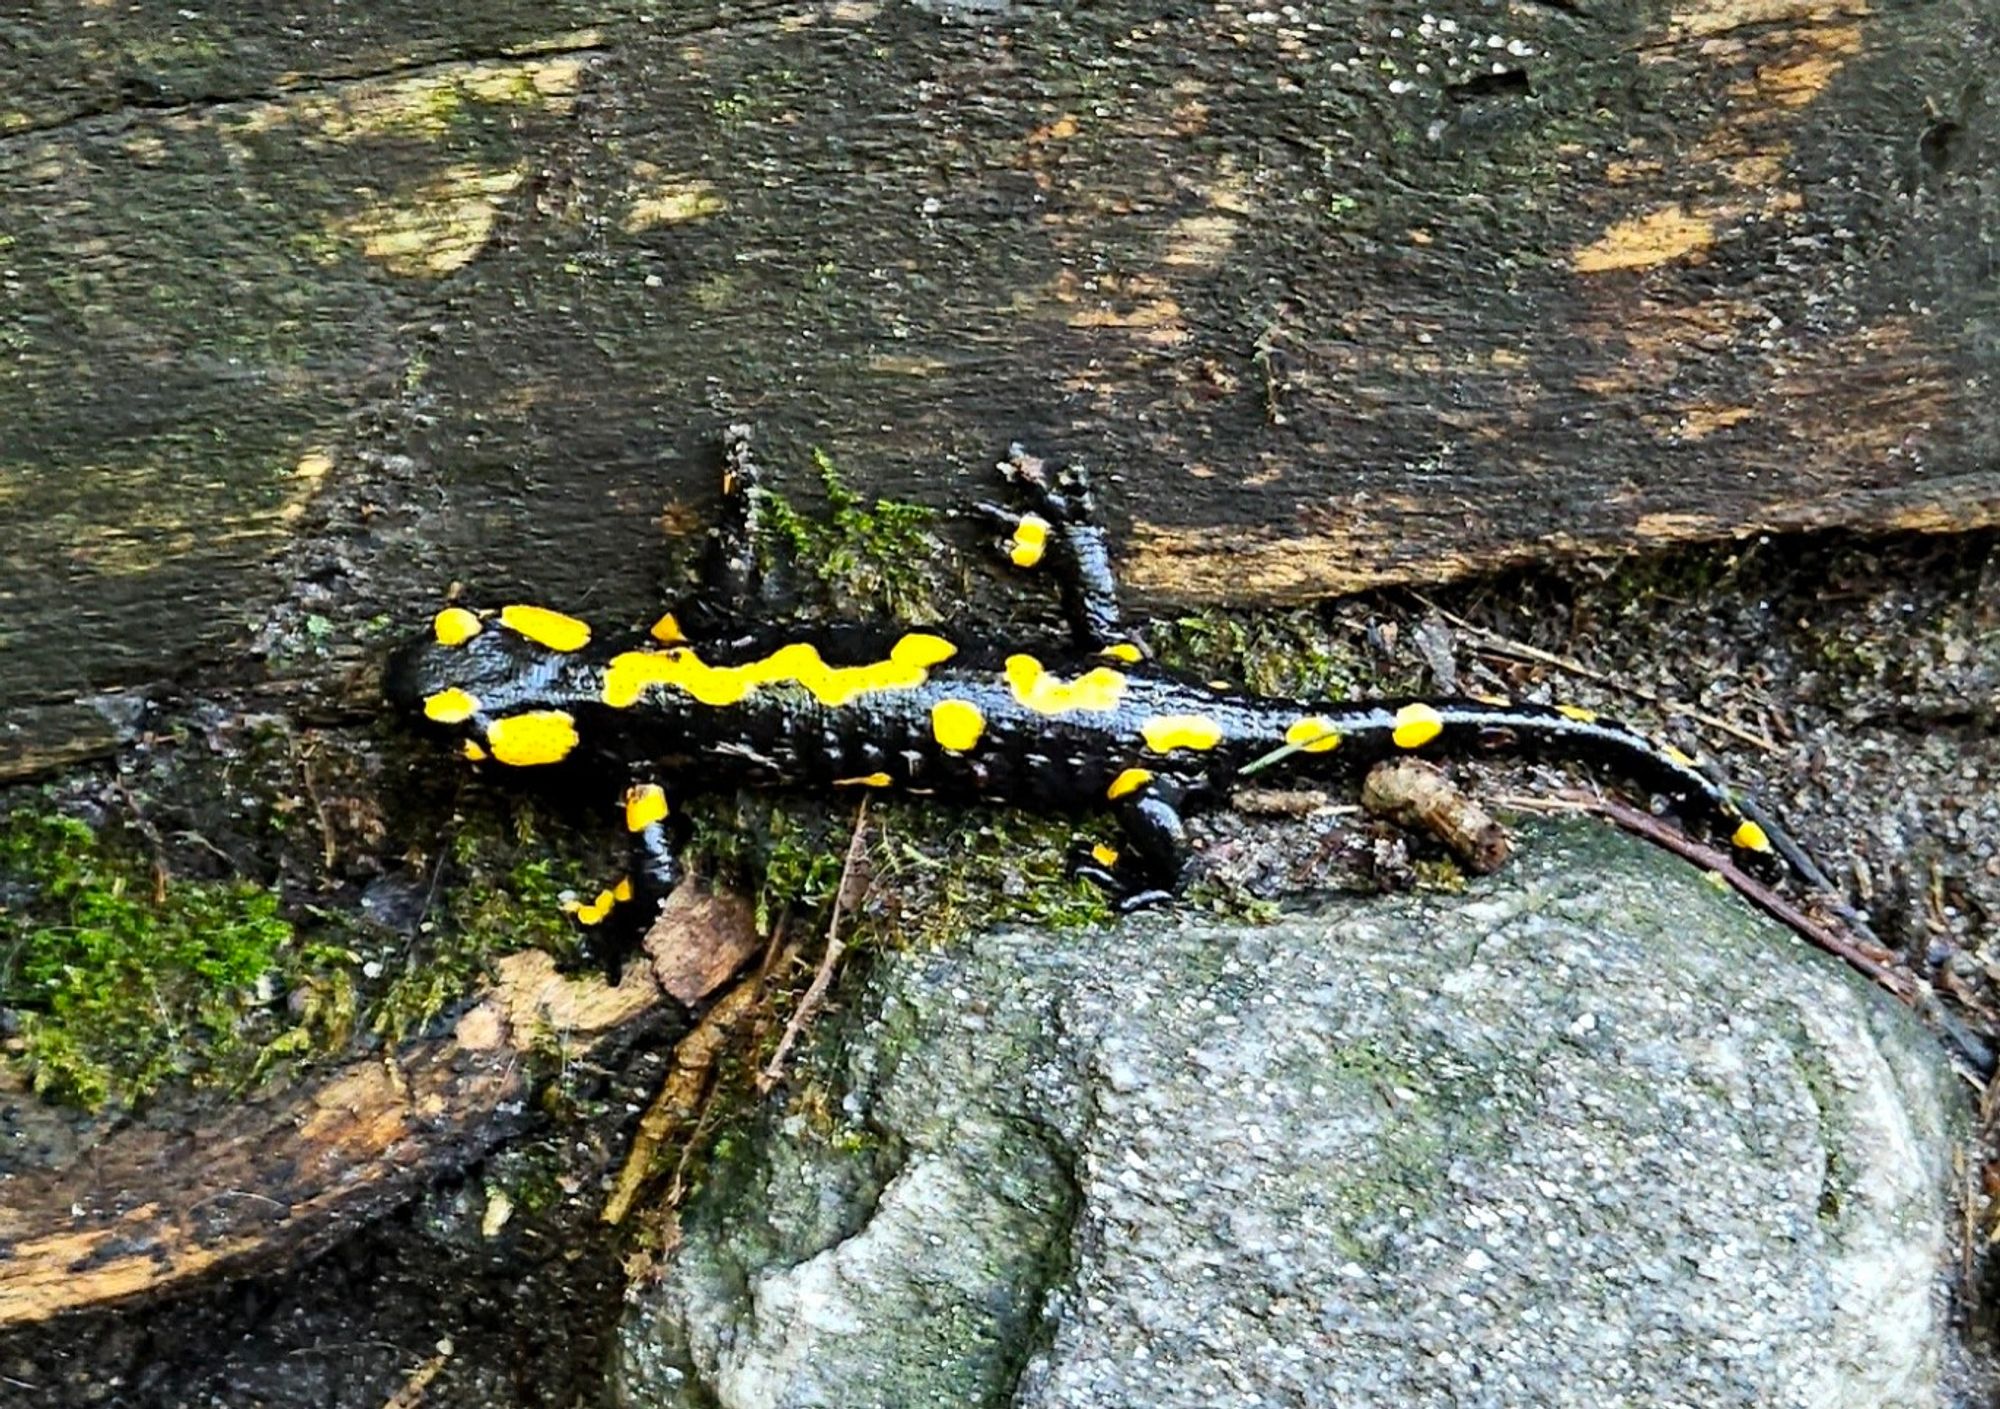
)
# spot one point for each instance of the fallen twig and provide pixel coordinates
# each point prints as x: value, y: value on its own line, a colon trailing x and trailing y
x: 845, y: 897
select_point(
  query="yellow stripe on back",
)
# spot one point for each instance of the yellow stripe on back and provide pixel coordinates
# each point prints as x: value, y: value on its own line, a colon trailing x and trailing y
x: 631, y: 673
x: 1165, y: 732
x: 1098, y: 689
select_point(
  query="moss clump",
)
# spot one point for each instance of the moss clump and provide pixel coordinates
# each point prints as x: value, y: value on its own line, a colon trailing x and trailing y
x: 119, y: 979
x: 502, y: 891
x: 1292, y: 655
x: 868, y: 557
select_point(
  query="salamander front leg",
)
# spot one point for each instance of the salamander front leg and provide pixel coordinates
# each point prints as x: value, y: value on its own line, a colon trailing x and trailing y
x: 1058, y: 531
x: 634, y: 901
x: 735, y: 585
x: 1152, y: 866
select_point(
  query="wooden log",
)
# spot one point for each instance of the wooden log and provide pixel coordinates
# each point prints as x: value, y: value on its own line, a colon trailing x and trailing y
x: 146, y: 1208
x: 1344, y: 295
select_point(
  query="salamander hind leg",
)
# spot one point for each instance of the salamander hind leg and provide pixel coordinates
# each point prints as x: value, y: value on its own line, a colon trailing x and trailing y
x: 1151, y: 868
x: 621, y: 911
x: 1057, y: 530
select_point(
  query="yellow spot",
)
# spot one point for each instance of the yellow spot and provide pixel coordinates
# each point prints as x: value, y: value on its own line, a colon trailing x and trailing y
x: 866, y: 780
x: 1751, y: 837
x: 594, y: 912
x: 535, y: 737
x: 645, y: 804
x: 1130, y: 781
x: 667, y: 630
x: 1031, y: 540
x: 546, y: 628
x: 680, y: 668
x: 957, y: 724
x: 1578, y: 713
x: 1314, y: 734
x: 1416, y: 725
x: 1099, y: 688
x: 1104, y: 855
x: 1125, y: 651
x: 623, y: 890
x: 1180, y: 731
x: 454, y: 626
x: 437, y: 227
x: 473, y: 751
x: 1675, y: 756
x: 450, y: 707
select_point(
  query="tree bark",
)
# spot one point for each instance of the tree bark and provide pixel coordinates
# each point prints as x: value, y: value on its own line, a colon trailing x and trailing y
x: 1343, y: 295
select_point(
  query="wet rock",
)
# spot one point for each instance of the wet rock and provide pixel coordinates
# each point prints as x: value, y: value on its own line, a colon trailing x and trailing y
x: 1592, y: 1133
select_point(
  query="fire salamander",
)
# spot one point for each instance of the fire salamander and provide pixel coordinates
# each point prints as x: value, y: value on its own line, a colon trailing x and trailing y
x: 707, y: 699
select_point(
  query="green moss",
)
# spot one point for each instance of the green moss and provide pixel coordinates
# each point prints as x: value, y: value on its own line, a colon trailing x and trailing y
x: 502, y: 890
x: 1293, y: 654
x: 870, y: 558
x: 122, y: 979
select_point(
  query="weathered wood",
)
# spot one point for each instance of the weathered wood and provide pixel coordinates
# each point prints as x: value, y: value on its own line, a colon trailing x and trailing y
x: 1346, y: 295
x: 146, y: 1209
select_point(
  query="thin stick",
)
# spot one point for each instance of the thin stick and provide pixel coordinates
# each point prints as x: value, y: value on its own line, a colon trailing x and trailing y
x: 845, y: 897
x: 1493, y: 641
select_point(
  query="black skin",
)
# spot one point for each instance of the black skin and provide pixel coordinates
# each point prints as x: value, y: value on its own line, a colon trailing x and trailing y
x: 781, y: 735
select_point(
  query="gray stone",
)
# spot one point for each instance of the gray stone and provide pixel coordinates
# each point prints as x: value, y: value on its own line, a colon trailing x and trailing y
x: 1591, y: 1134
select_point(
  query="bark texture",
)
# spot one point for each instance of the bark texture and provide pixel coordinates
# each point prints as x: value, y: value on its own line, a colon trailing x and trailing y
x: 1345, y: 294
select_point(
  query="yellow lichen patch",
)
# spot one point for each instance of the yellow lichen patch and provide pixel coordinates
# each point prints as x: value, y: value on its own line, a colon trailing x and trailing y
x: 645, y: 804
x: 1130, y: 781
x: 450, y: 707
x: 532, y: 738
x: 546, y: 628
x: 631, y: 673
x: 1578, y: 713
x: 1166, y: 732
x: 1314, y: 733
x: 1699, y: 421
x: 673, y: 201
x: 427, y: 104
x: 1030, y: 542
x: 1416, y: 725
x: 1702, y: 19
x: 1097, y: 689
x: 866, y: 780
x: 1751, y: 837
x: 307, y: 476
x: 1104, y: 855
x: 667, y: 630
x: 957, y: 724
x: 435, y: 228
x: 454, y: 626
x: 1123, y: 651
x: 1646, y: 241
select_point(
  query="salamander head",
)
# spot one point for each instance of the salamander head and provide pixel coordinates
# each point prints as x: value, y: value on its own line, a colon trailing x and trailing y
x: 502, y: 681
